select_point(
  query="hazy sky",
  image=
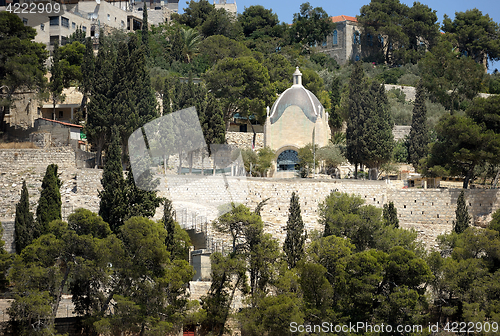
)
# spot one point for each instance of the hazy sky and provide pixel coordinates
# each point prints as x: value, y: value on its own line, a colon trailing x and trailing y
x: 286, y: 9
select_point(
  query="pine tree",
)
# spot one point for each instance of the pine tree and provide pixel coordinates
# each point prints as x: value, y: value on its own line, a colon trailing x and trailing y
x: 113, y: 205
x: 390, y: 214
x: 462, y: 221
x: 295, y: 235
x: 24, y: 224
x: 49, y: 204
x: 169, y: 225
x: 356, y: 117
x: 419, y: 133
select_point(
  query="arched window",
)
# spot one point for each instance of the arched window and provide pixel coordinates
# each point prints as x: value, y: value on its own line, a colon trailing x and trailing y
x: 335, y: 39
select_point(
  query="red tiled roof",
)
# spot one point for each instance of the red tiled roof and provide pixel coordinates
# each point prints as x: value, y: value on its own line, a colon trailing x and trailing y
x: 341, y: 18
x: 62, y: 123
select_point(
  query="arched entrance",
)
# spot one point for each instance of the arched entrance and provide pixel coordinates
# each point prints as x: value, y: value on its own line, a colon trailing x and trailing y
x: 287, y: 160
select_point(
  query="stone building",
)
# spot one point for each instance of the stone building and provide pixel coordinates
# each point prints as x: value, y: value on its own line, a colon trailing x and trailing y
x: 57, y: 25
x: 228, y: 5
x: 296, y: 119
x: 344, y: 44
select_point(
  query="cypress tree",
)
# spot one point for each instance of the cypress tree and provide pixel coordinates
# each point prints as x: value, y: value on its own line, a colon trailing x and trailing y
x: 141, y: 201
x: 295, y: 235
x: 88, y: 68
x: 145, y: 29
x: 167, y: 108
x: 49, y: 204
x: 419, y: 133
x: 377, y: 138
x: 113, y: 205
x: 99, y: 110
x: 390, y: 214
x: 24, y: 223
x: 335, y: 119
x: 356, y: 117
x: 56, y: 84
x: 462, y: 221
x: 169, y: 224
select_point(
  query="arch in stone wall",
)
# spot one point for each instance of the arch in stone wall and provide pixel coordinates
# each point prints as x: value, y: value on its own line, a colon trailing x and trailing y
x: 281, y: 150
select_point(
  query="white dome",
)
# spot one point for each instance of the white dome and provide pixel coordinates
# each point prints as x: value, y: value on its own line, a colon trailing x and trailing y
x: 297, y: 95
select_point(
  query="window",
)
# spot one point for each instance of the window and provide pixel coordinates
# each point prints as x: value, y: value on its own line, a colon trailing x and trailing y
x: 381, y: 39
x: 335, y: 39
x: 109, y: 17
x: 54, y: 20
x: 64, y: 40
x: 42, y: 26
x: 84, y: 29
x: 357, y: 38
x: 54, y: 39
x: 357, y: 58
x: 25, y: 21
x: 73, y: 25
x: 61, y: 114
x: 123, y: 24
x: 323, y: 44
x: 64, y: 22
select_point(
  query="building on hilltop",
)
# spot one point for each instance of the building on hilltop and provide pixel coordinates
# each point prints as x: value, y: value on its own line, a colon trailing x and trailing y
x: 344, y: 44
x: 296, y: 118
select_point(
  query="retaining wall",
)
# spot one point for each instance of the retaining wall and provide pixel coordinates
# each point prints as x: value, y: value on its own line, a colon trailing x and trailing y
x: 429, y: 211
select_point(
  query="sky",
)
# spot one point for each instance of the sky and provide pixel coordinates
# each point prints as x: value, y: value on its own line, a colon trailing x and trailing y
x: 286, y: 9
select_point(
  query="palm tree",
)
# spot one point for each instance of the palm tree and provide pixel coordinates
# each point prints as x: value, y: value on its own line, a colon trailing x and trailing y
x: 191, y: 39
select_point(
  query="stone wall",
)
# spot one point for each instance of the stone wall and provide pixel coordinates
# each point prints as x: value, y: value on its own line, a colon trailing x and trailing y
x: 409, y: 91
x: 429, y: 211
x: 400, y: 132
x: 244, y: 140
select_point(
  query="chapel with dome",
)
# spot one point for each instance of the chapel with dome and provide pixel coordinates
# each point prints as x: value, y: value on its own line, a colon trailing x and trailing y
x: 291, y: 122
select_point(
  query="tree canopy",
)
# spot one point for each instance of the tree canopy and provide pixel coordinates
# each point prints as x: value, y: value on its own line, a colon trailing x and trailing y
x: 476, y: 35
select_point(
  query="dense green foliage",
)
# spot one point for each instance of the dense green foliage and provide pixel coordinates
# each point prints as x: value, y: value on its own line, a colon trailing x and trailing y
x: 101, y: 270
x: 22, y: 61
x: 390, y: 214
x: 396, y: 33
x: 310, y: 25
x: 473, y: 33
x: 369, y: 136
x: 362, y: 267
